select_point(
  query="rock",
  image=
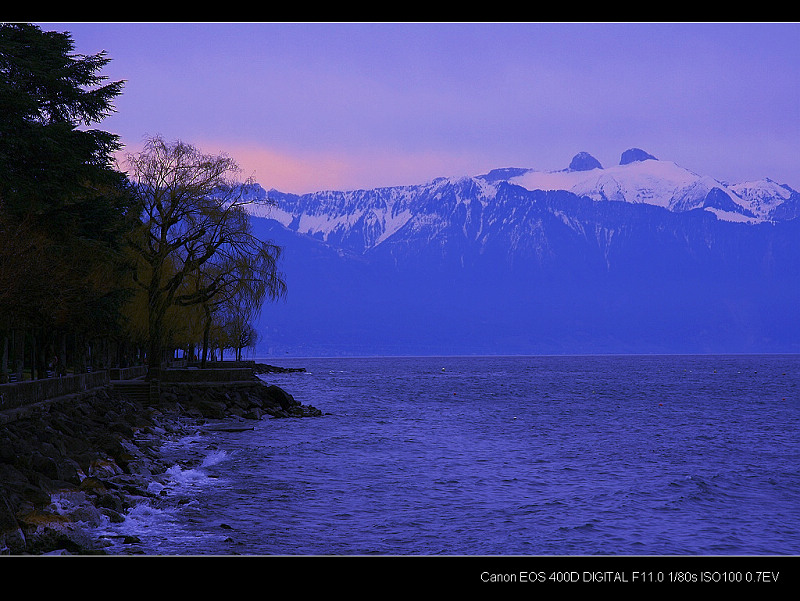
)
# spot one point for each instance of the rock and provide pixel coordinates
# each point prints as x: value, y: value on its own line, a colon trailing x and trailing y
x: 103, y: 468
x: 12, y: 539
x: 77, y: 506
x: 583, y: 161
x: 92, y: 484
x: 255, y: 413
x: 44, y: 465
x: 261, y: 368
x: 96, y: 455
x: 281, y: 397
x: 46, y: 532
x: 633, y: 155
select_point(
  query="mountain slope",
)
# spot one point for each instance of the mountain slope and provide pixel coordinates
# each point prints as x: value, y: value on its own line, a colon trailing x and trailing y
x: 486, y: 265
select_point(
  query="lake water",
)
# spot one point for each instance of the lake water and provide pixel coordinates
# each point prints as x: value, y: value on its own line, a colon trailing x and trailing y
x: 594, y: 455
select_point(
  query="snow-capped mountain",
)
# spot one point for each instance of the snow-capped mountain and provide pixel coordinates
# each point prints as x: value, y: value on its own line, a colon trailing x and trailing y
x: 641, y: 178
x: 643, y: 256
x: 362, y: 219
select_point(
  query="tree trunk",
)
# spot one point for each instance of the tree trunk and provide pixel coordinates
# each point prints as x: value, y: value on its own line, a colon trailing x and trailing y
x: 155, y: 321
x: 206, y: 333
x: 19, y: 352
x: 4, y: 357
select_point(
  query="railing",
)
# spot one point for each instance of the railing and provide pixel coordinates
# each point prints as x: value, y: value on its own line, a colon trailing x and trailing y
x: 19, y: 394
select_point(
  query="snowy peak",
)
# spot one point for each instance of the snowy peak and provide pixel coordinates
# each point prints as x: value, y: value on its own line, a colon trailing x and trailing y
x: 361, y: 220
x: 641, y: 178
x: 633, y: 155
x: 583, y: 161
x: 764, y: 196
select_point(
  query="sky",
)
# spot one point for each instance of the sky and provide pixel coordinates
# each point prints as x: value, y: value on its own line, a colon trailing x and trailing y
x: 303, y: 107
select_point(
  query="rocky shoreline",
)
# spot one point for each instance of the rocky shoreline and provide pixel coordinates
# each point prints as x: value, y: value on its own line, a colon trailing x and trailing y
x: 74, y: 463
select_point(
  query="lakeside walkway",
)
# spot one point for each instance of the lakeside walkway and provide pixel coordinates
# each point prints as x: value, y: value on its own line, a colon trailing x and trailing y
x: 22, y: 398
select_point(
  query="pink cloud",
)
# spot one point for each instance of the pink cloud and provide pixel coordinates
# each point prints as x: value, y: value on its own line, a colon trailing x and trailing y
x: 300, y: 171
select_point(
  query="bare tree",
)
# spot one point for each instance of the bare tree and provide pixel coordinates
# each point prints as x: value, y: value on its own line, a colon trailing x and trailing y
x: 195, y: 245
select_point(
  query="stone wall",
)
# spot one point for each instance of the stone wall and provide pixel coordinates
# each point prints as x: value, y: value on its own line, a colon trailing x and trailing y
x: 240, y: 374
x: 226, y: 364
x: 127, y: 373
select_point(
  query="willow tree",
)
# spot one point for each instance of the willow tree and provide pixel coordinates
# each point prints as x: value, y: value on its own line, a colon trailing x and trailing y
x: 195, y: 239
x: 241, y: 276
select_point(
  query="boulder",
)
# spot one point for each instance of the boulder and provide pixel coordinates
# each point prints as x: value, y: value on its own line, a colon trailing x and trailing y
x: 280, y: 397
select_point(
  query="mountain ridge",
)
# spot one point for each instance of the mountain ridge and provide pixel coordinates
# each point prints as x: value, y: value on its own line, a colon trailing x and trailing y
x: 639, y: 178
x: 484, y: 264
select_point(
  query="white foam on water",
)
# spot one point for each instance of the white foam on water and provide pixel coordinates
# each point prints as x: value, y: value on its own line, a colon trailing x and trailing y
x: 214, y: 457
x: 158, y: 519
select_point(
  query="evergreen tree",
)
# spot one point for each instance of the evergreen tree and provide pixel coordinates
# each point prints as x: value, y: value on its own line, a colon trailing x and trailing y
x: 46, y: 94
x: 59, y: 191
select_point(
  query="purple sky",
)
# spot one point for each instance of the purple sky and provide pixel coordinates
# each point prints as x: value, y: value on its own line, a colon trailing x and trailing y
x: 311, y: 106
